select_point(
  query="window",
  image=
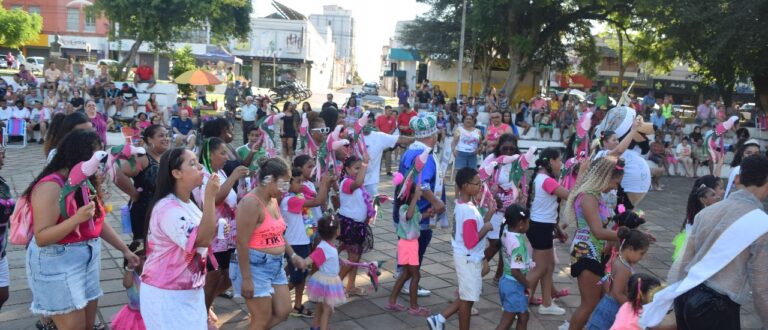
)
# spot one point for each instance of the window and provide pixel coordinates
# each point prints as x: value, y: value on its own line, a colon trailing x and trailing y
x: 73, y: 19
x: 34, y: 10
x: 90, y: 21
x: 19, y: 7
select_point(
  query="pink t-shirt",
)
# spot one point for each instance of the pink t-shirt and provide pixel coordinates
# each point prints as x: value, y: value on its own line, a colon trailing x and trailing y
x: 224, y: 210
x: 173, y: 261
x: 626, y: 319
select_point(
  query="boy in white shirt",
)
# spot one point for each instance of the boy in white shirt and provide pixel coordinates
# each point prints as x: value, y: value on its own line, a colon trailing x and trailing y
x: 5, y: 112
x: 38, y: 120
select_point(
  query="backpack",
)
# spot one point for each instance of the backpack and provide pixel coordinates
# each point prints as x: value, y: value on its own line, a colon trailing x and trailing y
x: 21, y: 219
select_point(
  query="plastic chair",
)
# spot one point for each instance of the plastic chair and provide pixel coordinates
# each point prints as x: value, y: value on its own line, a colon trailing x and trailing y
x: 15, y: 127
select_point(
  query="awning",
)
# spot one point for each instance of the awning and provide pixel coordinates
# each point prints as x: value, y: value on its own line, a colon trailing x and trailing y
x: 574, y: 81
x: 404, y: 55
x: 398, y: 73
x: 216, y: 53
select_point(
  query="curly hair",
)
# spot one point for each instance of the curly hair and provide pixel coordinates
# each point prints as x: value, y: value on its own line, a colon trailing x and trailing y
x: 597, y: 179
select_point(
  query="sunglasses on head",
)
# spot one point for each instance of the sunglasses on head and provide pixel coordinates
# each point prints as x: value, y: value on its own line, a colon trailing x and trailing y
x: 323, y: 130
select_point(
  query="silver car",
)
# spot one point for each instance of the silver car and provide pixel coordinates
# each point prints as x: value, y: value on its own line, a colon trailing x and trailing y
x: 371, y: 89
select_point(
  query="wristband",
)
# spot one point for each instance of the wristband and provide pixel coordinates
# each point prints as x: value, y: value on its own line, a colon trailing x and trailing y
x: 293, y: 255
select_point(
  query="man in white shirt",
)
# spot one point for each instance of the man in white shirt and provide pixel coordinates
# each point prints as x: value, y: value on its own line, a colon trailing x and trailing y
x: 38, y: 121
x: 376, y: 142
x: 248, y: 111
x: 52, y: 75
x: 5, y: 112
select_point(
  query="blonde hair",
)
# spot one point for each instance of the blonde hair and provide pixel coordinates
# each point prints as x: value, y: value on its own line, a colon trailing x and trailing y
x: 598, y: 177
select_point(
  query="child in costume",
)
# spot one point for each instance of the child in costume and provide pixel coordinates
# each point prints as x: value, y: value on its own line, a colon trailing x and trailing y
x: 355, y: 212
x: 517, y: 262
x: 634, y: 245
x: 640, y: 289
x: 325, y: 287
x: 129, y: 317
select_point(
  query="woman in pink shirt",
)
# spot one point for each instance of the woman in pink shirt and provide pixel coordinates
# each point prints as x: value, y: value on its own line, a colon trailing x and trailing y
x: 179, y: 235
x: 63, y: 257
x: 99, y: 121
x: 495, y: 130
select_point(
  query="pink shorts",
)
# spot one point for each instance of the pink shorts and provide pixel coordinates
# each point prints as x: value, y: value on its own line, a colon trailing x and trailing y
x: 408, y: 252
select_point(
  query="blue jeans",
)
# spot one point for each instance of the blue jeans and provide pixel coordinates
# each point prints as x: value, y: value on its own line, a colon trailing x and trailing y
x: 604, y: 314
x: 465, y: 159
x: 267, y: 270
x: 512, y: 295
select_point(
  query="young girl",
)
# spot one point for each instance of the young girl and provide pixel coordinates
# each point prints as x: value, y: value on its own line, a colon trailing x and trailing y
x: 701, y: 197
x: 141, y: 121
x: 640, y: 289
x: 408, y: 255
x: 129, y: 317
x: 355, y: 211
x: 294, y: 208
x: 308, y: 189
x: 543, y: 204
x: 517, y: 262
x: 252, y: 149
x: 324, y: 287
x: 633, y: 246
x: 468, y: 245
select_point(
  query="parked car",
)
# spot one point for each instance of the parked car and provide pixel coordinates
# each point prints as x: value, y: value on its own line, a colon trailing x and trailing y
x: 3, y: 63
x: 95, y: 66
x: 371, y: 88
x: 35, y: 63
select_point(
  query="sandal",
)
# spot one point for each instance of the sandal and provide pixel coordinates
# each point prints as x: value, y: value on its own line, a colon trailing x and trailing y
x: 561, y: 293
x: 48, y: 325
x: 535, y: 301
x: 474, y: 311
x: 357, y: 292
x: 419, y: 311
x: 395, y: 307
x: 301, y: 312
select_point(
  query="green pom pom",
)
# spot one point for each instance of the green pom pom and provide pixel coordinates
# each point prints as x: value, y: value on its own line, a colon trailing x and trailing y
x: 679, y: 242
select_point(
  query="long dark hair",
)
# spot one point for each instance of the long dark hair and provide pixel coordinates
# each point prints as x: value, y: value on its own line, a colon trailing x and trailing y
x: 513, y: 215
x: 149, y: 132
x: 70, y: 151
x: 739, y: 154
x: 640, y: 285
x: 276, y: 167
x: 504, y: 138
x: 67, y: 124
x: 215, y: 127
x: 53, y: 129
x: 694, y: 203
x: 209, y: 145
x: 545, y: 157
x: 166, y: 183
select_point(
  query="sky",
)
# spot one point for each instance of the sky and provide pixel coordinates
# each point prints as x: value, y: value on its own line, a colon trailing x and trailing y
x: 374, y: 24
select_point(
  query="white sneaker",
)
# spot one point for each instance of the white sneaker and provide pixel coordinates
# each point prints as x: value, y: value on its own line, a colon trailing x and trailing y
x: 553, y: 309
x: 564, y: 326
x: 434, y: 323
x: 421, y: 293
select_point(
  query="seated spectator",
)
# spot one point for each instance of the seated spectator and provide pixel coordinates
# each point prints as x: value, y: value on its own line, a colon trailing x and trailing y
x: 685, y: 156
x: 701, y: 156
x: 104, y: 77
x: 96, y: 92
x: 128, y: 96
x: 145, y: 74
x: 26, y: 77
x: 38, y: 121
x: 658, y: 120
x: 77, y: 102
x: 52, y: 75
x: 51, y: 100
x: 545, y: 124
x: 658, y: 155
x: 675, y: 127
x: 3, y: 88
x: 142, y: 121
x: 5, y: 112
x: 112, y: 97
x: 181, y: 127
x: 32, y: 97
x: 150, y: 106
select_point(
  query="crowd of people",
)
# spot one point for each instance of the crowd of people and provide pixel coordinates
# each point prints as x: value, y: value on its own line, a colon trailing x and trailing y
x: 293, y: 212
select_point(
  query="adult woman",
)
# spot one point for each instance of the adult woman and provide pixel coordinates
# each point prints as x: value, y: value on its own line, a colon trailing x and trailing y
x: 566, y: 120
x: 506, y: 118
x: 587, y: 208
x: 99, y: 121
x: 290, y: 129
x: 495, y: 130
x: 51, y: 100
x: 258, y: 273
x: 151, y: 106
x: 179, y: 234
x: 144, y: 175
x: 263, y: 110
x: 466, y: 144
x: 63, y: 258
x: 554, y: 104
x: 221, y: 128
x: 61, y: 125
x: 695, y: 134
x: 749, y: 148
x: 352, y: 111
x: 213, y: 156
x: 451, y: 126
x: 306, y: 108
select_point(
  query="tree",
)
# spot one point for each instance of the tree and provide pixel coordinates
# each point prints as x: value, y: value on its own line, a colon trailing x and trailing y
x: 18, y: 27
x: 183, y: 61
x: 163, y: 22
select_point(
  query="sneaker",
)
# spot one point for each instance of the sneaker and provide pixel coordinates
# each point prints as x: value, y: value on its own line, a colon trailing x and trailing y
x: 421, y: 293
x: 434, y: 323
x: 389, y: 173
x: 564, y: 326
x: 553, y: 309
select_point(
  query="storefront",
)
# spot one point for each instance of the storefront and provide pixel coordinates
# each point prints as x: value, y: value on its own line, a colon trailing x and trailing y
x: 682, y: 92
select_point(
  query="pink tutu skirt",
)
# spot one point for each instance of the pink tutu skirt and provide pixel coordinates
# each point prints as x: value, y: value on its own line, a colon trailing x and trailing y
x: 328, y: 289
x: 128, y: 319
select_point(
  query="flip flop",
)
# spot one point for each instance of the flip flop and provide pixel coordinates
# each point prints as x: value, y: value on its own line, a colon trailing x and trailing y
x: 420, y: 311
x: 301, y: 312
x: 395, y: 307
x: 561, y: 293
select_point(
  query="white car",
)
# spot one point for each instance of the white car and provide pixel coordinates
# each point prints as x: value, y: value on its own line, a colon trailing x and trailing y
x: 35, y: 63
x: 371, y: 88
x: 95, y: 66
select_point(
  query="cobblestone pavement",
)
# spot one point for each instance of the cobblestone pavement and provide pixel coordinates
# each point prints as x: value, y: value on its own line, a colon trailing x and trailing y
x: 664, y: 211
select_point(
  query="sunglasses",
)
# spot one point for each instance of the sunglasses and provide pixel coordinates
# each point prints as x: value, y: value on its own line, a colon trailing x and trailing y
x: 323, y: 130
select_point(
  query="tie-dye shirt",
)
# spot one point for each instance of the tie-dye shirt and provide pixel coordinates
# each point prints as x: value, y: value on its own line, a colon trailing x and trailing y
x: 173, y: 261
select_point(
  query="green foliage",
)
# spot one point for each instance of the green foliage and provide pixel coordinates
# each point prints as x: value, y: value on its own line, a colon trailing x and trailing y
x: 18, y: 27
x: 183, y: 61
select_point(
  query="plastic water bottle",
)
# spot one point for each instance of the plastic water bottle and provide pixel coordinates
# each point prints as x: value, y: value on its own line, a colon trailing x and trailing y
x: 222, y: 224
x: 125, y: 218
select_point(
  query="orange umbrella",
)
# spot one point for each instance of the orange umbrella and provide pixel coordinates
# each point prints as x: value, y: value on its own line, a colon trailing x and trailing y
x: 197, y: 77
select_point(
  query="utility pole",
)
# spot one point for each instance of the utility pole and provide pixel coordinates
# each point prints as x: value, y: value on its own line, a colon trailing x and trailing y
x: 461, y: 45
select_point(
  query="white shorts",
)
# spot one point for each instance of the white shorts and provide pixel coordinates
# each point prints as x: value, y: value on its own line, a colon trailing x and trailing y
x: 496, y: 220
x: 469, y: 277
x: 5, y: 277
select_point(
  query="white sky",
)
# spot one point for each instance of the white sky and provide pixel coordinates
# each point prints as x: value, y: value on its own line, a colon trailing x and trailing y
x: 374, y: 23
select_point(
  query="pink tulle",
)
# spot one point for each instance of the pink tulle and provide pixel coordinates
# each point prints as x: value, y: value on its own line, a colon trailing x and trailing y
x: 128, y: 319
x: 326, y: 289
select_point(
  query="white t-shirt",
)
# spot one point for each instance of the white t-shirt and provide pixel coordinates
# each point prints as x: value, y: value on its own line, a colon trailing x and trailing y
x: 20, y: 113
x: 330, y: 265
x: 544, y: 205
x: 40, y: 115
x: 310, y: 192
x: 731, y: 180
x: 468, y: 141
x: 682, y: 150
x: 5, y: 114
x: 376, y: 143
x: 292, y: 209
x: 352, y: 204
x: 249, y: 113
x: 464, y: 212
x: 637, y: 174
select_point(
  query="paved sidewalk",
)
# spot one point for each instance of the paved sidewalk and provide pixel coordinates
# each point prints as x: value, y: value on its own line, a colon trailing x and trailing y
x: 664, y: 211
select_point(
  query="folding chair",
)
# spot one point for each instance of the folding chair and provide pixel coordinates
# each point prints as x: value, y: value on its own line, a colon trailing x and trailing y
x: 15, y: 127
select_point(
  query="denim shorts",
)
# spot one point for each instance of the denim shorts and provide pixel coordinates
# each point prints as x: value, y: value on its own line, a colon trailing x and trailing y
x: 604, y: 314
x: 63, y: 277
x: 512, y: 295
x: 267, y: 270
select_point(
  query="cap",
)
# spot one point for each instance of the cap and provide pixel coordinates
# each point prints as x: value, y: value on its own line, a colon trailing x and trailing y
x: 423, y: 125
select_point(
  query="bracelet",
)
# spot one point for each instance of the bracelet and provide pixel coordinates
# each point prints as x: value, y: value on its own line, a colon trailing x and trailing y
x: 294, y: 255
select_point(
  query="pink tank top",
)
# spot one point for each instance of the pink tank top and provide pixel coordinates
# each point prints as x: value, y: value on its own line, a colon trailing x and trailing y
x: 270, y: 233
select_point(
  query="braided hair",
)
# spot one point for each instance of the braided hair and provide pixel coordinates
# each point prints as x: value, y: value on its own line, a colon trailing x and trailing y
x: 209, y: 145
x: 546, y: 156
x: 694, y: 203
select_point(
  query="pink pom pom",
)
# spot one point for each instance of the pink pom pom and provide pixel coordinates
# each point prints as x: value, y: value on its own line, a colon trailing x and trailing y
x: 397, y: 179
x: 621, y: 208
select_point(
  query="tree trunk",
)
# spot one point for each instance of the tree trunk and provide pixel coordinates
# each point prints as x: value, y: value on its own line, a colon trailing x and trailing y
x: 621, y: 60
x: 760, y: 80
x: 129, y: 58
x: 514, y: 74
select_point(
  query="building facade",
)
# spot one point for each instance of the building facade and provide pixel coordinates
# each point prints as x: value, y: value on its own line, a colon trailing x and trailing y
x: 340, y: 23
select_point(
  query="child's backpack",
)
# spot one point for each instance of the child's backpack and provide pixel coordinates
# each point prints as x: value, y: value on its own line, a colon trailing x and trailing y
x: 21, y: 219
